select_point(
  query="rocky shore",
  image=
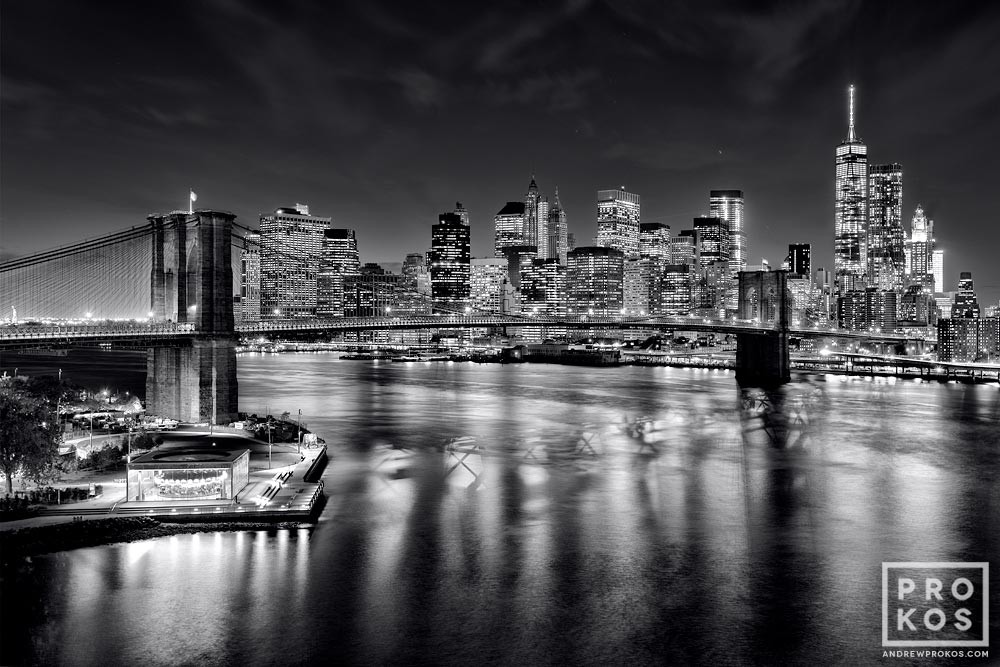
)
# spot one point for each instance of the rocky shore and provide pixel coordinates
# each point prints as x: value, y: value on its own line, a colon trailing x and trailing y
x: 25, y: 542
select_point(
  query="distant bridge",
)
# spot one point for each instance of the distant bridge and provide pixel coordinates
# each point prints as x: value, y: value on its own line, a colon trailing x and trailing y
x: 35, y: 335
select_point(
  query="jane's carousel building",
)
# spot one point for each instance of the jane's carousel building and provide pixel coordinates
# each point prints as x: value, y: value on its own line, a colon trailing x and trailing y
x: 188, y: 473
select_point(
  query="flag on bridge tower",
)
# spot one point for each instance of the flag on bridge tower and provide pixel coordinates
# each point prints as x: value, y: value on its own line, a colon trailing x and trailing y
x: 194, y: 198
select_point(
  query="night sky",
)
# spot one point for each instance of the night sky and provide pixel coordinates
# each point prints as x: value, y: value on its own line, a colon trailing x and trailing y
x: 382, y: 115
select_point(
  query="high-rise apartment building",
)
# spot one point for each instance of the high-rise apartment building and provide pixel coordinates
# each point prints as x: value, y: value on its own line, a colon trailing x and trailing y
x: 641, y: 285
x: 291, y: 245
x: 618, y: 214
x: 594, y: 280
x: 450, y: 261
x: 867, y: 310
x: 339, y: 260
x: 250, y: 278
x: 851, y: 208
x: 884, y: 239
x: 509, y: 226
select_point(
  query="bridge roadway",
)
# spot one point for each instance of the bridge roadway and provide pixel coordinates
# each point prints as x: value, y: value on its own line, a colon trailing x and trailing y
x: 138, y: 333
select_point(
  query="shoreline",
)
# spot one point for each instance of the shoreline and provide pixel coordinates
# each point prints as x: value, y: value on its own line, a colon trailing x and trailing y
x: 24, y: 543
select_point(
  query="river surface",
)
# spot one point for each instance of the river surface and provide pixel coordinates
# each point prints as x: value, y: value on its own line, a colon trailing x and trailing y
x: 541, y: 514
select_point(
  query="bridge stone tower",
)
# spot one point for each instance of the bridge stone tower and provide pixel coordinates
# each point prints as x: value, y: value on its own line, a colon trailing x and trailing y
x: 192, y: 282
x: 762, y: 356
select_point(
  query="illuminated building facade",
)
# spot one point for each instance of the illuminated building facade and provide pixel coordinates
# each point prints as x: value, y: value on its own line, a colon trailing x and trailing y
x: 800, y: 259
x: 885, y: 244
x: 727, y: 205
x: 867, y: 310
x: 487, y: 279
x: 594, y: 280
x: 968, y: 339
x: 618, y: 215
x: 291, y: 248
x: 654, y: 241
x: 966, y: 304
x: 543, y: 288
x: 531, y: 211
x: 462, y: 213
x: 339, y: 260
x: 508, y: 227
x: 558, y: 245
x: 450, y: 260
x: 250, y: 278
x: 641, y: 286
x: 713, y: 241
x: 374, y: 292
x: 851, y: 208
x: 916, y: 308
x: 675, y: 290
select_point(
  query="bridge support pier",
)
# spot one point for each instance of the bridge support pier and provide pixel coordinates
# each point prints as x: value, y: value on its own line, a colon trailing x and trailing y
x: 762, y: 359
x: 194, y: 384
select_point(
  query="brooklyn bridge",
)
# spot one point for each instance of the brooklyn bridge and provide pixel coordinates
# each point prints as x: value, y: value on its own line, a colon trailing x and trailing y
x: 170, y: 286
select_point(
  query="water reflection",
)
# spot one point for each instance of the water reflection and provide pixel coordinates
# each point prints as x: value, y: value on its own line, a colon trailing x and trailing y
x: 548, y: 514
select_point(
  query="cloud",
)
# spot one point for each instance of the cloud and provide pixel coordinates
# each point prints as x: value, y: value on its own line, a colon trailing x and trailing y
x: 176, y: 117
x: 421, y: 89
x: 559, y: 92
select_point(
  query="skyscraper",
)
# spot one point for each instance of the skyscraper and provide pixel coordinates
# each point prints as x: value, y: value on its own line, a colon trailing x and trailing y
x: 654, y: 241
x: 509, y: 226
x: 291, y: 244
x: 850, y: 208
x: 594, y: 280
x: 487, y: 278
x: 531, y: 231
x: 338, y: 261
x: 727, y: 205
x: 800, y: 259
x: 618, y: 214
x: 250, y: 278
x: 450, y: 259
x: 462, y: 213
x: 713, y: 239
x: 919, y: 253
x: 886, y: 257
x: 543, y: 226
x: 937, y: 269
x: 966, y: 304
x: 556, y: 231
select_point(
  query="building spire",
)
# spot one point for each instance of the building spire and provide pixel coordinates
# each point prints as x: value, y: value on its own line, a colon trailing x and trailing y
x: 850, y: 116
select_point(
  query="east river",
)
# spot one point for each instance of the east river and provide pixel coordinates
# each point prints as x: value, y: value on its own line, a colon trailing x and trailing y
x: 541, y: 514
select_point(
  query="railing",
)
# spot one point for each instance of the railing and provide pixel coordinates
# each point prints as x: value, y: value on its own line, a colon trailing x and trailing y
x: 137, y: 330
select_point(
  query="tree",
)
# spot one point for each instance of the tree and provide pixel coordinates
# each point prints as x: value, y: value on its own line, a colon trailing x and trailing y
x: 28, y: 436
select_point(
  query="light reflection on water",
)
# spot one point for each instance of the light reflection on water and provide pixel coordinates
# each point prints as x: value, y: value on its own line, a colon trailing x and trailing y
x: 526, y: 514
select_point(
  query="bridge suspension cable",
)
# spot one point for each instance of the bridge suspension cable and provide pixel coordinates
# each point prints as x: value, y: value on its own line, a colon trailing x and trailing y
x: 106, y: 277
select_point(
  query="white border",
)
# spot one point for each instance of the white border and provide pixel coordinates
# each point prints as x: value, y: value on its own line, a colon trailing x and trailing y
x: 984, y: 642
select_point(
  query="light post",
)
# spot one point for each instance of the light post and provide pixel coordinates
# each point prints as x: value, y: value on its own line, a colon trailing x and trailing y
x: 269, y: 442
x: 298, y: 433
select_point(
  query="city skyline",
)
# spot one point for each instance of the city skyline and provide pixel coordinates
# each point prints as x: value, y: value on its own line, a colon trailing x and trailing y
x: 476, y: 131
